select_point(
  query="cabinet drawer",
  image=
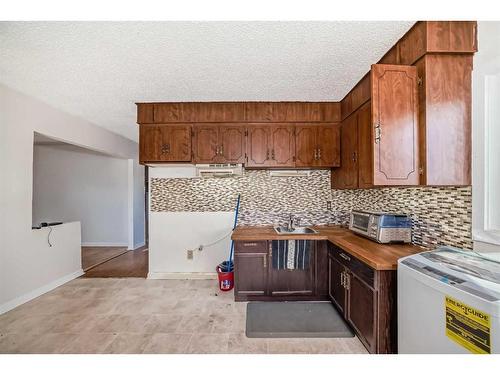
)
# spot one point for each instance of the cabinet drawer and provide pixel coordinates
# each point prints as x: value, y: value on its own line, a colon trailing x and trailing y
x: 251, y: 246
x: 364, y: 272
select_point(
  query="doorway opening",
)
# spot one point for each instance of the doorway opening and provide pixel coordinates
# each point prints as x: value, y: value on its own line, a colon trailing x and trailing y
x: 75, y: 184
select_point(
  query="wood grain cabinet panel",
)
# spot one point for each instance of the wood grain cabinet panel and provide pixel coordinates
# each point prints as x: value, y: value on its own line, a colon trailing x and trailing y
x: 258, y: 146
x: 395, y: 118
x: 250, y: 274
x: 364, y: 156
x: 317, y: 145
x: 206, y: 144
x: 165, y: 143
x: 361, y: 311
x: 283, y: 145
x: 445, y: 119
x: 366, y: 298
x: 336, y: 290
x: 346, y: 177
x: 306, y: 147
x: 232, y: 143
x: 328, y: 143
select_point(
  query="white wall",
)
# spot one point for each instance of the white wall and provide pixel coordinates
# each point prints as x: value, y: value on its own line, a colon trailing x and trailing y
x: 486, y: 139
x: 27, y: 264
x: 171, y: 234
x: 137, y: 197
x: 72, y: 184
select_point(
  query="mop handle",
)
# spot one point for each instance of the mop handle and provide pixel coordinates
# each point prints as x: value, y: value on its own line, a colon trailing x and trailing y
x: 234, y: 227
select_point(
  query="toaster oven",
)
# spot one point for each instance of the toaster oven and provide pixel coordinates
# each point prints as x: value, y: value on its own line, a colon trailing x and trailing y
x: 381, y: 227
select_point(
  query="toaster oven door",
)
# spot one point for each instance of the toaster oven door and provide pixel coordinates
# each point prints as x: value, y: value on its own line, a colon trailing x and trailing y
x: 360, y: 221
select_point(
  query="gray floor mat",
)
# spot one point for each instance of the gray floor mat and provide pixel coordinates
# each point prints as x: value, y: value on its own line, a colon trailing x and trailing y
x: 295, y: 319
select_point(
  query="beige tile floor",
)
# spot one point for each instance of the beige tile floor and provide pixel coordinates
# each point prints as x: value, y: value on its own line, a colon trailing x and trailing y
x: 144, y: 316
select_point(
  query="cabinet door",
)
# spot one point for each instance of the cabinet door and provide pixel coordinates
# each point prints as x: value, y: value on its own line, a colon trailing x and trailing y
x: 395, y: 121
x: 178, y: 138
x: 205, y: 147
x: 232, y: 143
x: 164, y: 143
x: 283, y: 145
x: 361, y: 310
x: 328, y: 145
x: 306, y: 149
x: 365, y: 146
x: 151, y: 147
x: 346, y: 177
x: 258, y: 146
x: 250, y: 274
x: 336, y: 290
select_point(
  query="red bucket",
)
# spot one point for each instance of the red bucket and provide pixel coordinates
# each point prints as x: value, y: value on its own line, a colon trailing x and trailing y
x: 226, y: 280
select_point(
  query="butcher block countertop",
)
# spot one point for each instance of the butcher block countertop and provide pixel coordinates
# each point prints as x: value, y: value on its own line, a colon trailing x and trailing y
x: 378, y: 256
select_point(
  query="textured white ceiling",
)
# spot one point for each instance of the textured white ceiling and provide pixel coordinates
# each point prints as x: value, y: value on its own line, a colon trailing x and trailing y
x: 98, y: 70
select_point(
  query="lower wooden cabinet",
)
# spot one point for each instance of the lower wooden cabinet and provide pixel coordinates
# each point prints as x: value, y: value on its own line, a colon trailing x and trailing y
x: 257, y: 280
x: 366, y: 299
x: 250, y: 274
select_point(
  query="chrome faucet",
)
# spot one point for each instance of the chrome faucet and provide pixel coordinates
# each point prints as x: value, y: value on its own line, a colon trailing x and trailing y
x: 291, y: 227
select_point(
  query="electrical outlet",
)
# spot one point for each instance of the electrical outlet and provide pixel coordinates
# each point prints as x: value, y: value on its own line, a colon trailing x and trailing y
x: 328, y: 205
x: 190, y: 254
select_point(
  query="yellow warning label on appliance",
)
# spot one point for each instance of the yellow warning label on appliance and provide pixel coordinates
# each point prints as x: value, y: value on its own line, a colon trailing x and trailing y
x: 468, y: 326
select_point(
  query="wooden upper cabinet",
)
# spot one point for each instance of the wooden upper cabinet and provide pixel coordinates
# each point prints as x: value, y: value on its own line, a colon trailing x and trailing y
x: 219, y: 143
x: 270, y: 145
x: 232, y: 143
x: 445, y: 119
x: 306, y: 148
x: 165, y: 143
x: 364, y: 156
x: 317, y: 145
x: 206, y: 144
x: 346, y: 177
x: 328, y: 141
x: 258, y: 146
x: 283, y: 145
x: 395, y: 121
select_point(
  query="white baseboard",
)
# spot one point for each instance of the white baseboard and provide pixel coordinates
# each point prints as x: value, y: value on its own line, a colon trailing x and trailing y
x: 13, y: 303
x: 138, y: 245
x: 105, y: 244
x: 182, y: 275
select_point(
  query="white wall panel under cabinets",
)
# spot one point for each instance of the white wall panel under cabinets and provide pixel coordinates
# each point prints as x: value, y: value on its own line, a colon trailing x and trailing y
x: 171, y: 234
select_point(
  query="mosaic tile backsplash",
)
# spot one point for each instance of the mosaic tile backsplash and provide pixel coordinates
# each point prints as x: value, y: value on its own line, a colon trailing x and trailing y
x: 440, y: 215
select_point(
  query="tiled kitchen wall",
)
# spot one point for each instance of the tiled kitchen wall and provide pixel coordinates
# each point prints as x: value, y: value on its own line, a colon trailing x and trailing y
x: 439, y: 215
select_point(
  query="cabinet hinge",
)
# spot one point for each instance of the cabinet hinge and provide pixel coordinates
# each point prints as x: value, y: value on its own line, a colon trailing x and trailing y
x: 421, y: 170
x: 420, y: 82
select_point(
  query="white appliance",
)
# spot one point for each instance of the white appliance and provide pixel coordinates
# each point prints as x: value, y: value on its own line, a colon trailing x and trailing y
x: 448, y: 302
x: 219, y: 170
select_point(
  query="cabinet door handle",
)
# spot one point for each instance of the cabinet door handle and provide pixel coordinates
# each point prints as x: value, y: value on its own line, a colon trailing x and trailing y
x: 264, y: 261
x: 342, y: 255
x: 165, y: 148
x: 319, y: 153
x: 221, y: 150
x: 315, y: 154
x: 342, y: 278
x: 267, y: 154
x: 272, y: 154
x: 347, y: 282
x: 378, y: 133
x: 354, y: 157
